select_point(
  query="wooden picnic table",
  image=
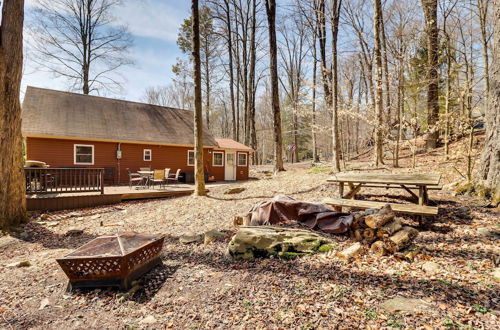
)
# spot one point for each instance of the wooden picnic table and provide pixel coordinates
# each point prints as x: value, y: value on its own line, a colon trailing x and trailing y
x: 356, y: 181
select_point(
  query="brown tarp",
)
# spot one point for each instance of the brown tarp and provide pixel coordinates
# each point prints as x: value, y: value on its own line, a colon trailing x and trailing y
x: 314, y: 215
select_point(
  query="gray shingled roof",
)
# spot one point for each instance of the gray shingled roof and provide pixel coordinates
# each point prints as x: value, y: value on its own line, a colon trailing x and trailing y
x: 55, y: 113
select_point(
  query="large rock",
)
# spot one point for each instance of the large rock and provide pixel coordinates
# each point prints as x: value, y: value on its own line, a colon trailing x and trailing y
x: 233, y: 191
x: 191, y: 238
x: 263, y: 241
x: 401, y: 304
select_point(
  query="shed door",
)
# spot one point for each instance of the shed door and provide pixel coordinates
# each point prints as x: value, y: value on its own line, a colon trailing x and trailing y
x: 230, y: 168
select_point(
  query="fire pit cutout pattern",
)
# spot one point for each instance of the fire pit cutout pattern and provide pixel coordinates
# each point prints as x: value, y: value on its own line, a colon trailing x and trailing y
x: 112, y: 260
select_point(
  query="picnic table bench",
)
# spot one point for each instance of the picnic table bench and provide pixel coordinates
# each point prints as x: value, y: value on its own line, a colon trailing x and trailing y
x: 408, y: 182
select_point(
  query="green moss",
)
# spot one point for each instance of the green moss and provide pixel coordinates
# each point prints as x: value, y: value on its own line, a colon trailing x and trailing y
x: 326, y: 248
x: 464, y: 189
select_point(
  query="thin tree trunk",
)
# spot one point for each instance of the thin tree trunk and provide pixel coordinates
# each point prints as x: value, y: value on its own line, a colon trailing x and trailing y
x: 252, y: 87
x: 378, y: 155
x: 430, y: 11
x: 483, y: 16
x: 336, y: 6
x: 231, y: 69
x: 198, y: 114
x: 207, y: 89
x: 12, y: 187
x: 489, y: 173
x: 313, y: 119
x: 273, y: 67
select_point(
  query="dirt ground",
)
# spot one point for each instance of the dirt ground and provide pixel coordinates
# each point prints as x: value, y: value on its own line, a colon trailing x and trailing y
x: 199, y: 287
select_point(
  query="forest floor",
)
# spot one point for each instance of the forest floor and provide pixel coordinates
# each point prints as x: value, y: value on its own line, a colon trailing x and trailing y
x: 199, y: 287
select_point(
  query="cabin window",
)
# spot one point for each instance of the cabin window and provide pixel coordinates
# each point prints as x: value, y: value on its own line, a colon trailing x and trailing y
x: 242, y: 159
x: 148, y: 155
x: 190, y: 157
x: 83, y: 154
x: 218, y: 158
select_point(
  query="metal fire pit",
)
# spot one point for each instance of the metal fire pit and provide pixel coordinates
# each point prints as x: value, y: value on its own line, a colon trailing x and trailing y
x: 112, y: 260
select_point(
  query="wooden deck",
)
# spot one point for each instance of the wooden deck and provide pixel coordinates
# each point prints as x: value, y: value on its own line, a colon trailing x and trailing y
x: 112, y: 195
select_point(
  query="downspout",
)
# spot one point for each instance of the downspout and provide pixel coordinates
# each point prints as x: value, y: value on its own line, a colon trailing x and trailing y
x: 118, y: 161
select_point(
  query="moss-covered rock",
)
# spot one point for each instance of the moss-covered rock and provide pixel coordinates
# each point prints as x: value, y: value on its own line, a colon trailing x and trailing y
x: 262, y: 241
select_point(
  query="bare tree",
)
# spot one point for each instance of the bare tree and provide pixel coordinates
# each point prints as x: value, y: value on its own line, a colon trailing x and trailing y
x: 273, y: 67
x: 432, y: 31
x: 12, y: 189
x: 490, y: 162
x: 80, y: 41
x: 377, y: 26
x: 198, y: 113
x: 208, y: 50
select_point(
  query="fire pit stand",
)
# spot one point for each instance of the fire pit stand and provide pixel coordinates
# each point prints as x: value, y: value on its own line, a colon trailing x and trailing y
x: 112, y: 260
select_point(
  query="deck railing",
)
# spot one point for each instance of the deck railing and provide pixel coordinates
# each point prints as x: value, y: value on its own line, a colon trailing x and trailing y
x: 63, y: 180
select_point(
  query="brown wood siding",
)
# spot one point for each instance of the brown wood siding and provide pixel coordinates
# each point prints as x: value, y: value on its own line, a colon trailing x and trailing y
x: 217, y: 171
x: 59, y: 153
x: 242, y: 171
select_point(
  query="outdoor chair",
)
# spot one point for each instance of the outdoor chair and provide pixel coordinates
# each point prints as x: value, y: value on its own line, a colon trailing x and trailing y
x: 174, y: 178
x: 158, y: 177
x: 133, y: 177
x: 166, y: 174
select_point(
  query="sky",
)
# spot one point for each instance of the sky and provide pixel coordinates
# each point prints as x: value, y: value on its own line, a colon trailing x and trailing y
x: 154, y: 25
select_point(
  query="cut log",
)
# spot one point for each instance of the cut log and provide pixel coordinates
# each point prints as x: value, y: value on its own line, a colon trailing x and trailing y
x: 389, y: 228
x: 369, y: 234
x: 358, y: 235
x: 401, y: 239
x: 409, y: 253
x: 379, y: 219
x: 358, y: 222
x: 352, y: 251
x: 378, y: 248
x: 241, y: 220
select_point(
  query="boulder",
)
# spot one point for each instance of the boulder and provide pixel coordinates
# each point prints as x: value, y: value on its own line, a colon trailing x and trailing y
x: 431, y: 267
x: 212, y: 235
x: 191, y: 238
x: 264, y: 241
x: 401, y: 304
x: 234, y: 191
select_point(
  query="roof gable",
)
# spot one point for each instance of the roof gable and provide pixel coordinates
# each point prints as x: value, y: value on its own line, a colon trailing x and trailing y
x: 63, y: 114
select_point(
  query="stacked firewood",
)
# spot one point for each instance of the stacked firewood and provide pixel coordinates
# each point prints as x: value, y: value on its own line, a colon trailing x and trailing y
x: 382, y: 231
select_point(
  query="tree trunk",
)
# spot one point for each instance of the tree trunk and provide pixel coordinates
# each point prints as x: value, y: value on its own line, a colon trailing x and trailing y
x: 198, y: 114
x: 336, y: 6
x: 378, y: 155
x: 207, y: 87
x: 273, y: 67
x: 12, y: 188
x: 430, y: 11
x: 313, y: 119
x: 490, y: 161
x: 231, y: 70
x: 252, y: 85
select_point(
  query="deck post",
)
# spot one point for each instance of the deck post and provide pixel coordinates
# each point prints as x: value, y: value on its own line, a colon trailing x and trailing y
x: 101, y: 179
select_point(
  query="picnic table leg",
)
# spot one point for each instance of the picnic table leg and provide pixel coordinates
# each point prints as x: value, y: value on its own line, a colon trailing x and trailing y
x: 421, y: 195
x: 341, y: 194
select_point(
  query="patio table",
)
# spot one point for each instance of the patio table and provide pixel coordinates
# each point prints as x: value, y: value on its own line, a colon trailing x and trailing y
x: 146, y: 175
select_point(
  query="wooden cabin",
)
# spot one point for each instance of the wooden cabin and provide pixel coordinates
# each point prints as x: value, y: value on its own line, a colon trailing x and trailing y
x: 65, y: 129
